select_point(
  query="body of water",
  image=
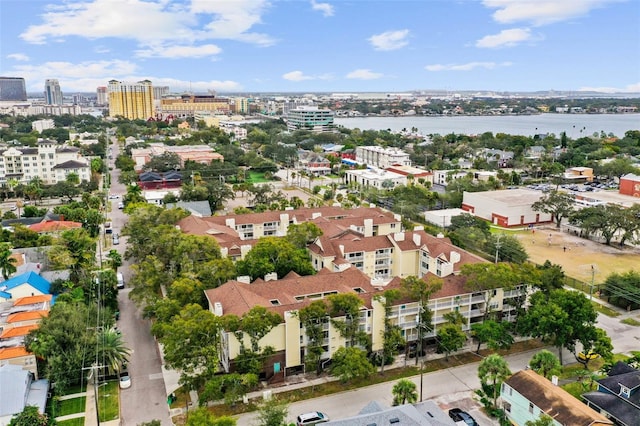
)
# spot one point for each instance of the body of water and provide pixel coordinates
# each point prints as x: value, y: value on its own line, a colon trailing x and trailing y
x: 576, y: 125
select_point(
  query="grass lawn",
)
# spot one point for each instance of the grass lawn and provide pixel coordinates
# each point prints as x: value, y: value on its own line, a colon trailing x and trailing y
x: 72, y: 422
x: 256, y: 177
x: 631, y: 321
x: 70, y: 406
x: 605, y: 310
x: 108, y: 404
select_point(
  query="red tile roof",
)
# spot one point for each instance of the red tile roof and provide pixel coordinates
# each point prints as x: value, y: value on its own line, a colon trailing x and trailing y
x: 18, y: 331
x: 54, y: 226
x: 26, y: 316
x: 32, y: 300
x: 14, y: 352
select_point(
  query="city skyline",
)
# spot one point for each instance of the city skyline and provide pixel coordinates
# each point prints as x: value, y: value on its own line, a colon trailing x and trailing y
x: 325, y: 46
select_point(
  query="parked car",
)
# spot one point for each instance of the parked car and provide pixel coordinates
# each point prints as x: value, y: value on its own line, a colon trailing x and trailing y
x: 121, y: 205
x: 457, y: 415
x: 312, y: 418
x: 120, y: 280
x: 116, y: 239
x: 114, y: 196
x: 125, y: 380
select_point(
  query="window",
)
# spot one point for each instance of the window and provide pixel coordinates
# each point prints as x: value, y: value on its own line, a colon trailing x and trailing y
x: 507, y: 407
x: 531, y: 407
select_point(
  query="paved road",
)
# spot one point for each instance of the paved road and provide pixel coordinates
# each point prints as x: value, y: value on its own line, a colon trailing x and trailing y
x: 146, y: 399
x: 449, y: 388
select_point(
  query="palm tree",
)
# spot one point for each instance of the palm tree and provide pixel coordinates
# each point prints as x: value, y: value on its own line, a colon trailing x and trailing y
x: 112, y: 351
x: 115, y: 259
x: 492, y: 371
x: 405, y: 391
x: 7, y: 263
x: 545, y: 363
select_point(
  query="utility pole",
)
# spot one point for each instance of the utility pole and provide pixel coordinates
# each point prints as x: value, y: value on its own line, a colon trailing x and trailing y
x: 497, y: 246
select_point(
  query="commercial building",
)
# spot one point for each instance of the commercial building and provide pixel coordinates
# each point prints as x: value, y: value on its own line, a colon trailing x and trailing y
x: 131, y: 100
x: 202, y: 154
x: 52, y: 92
x: 630, y: 185
x: 310, y: 118
x: 13, y: 89
x: 241, y: 105
x: 509, y: 207
x: 381, y: 157
x: 188, y: 105
x: 40, y: 125
x: 376, y: 178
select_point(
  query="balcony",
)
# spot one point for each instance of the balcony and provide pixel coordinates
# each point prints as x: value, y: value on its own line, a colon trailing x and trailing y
x: 358, y: 258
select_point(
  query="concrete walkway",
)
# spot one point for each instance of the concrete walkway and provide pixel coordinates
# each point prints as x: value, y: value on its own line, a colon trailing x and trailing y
x: 90, y: 413
x: 72, y: 396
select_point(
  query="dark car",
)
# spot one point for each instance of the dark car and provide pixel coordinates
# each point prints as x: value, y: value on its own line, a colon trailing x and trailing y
x: 457, y: 415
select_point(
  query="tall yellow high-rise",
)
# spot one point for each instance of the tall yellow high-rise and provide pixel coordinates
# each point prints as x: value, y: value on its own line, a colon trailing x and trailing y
x: 131, y: 100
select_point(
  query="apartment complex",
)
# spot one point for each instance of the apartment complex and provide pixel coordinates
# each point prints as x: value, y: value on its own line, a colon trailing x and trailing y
x: 102, y: 97
x: 52, y: 92
x: 380, y: 157
x: 376, y: 178
x: 131, y: 100
x: 48, y: 161
x: 310, y: 118
x: 13, y: 89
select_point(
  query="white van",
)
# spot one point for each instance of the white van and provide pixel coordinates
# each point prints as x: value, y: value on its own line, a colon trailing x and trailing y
x: 120, y: 280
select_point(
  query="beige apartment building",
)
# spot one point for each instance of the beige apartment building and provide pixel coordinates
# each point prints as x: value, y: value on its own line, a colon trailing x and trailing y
x: 288, y: 295
x: 131, y: 100
x: 201, y: 154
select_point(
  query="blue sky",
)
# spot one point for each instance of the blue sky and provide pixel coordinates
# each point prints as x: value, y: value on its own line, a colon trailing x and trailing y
x: 325, y: 45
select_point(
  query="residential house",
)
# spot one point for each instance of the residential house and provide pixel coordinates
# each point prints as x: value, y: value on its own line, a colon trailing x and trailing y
x: 425, y: 413
x: 534, y: 152
x: 18, y: 390
x: 153, y: 180
x: 618, y: 395
x: 526, y: 396
x: 443, y: 177
x: 27, y: 284
x: 498, y: 156
x: 313, y: 163
x: 54, y: 226
x: 506, y: 208
x: 412, y: 173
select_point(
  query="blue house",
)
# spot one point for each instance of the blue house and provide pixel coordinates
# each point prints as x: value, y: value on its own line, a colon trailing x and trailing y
x: 527, y: 396
x: 27, y: 284
x: 618, y: 395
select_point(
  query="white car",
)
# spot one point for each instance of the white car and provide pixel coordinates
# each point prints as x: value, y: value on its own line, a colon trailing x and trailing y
x: 114, y: 196
x: 125, y: 380
x: 121, y: 205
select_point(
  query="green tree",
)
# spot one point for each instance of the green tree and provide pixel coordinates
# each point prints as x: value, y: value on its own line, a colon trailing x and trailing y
x: 351, y: 363
x: 65, y: 342
x: 303, y: 234
x: 344, y: 310
x: 492, y: 371
x: 191, y: 341
x: 30, y: 416
x: 272, y: 412
x: 485, y: 277
x: 7, y: 263
x: 558, y: 204
x: 623, y: 289
x: 495, y: 334
x: 112, y: 350
x: 272, y: 254
x: 562, y: 318
x: 507, y: 248
x: 544, y: 420
x: 545, y: 363
x: 404, y: 391
x: 450, y: 338
x: 75, y: 250
x: 421, y: 290
x: 115, y: 259
x: 312, y: 318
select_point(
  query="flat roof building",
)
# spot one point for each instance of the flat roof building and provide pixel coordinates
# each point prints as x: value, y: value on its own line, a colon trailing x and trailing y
x: 310, y: 118
x: 131, y: 100
x: 13, y: 89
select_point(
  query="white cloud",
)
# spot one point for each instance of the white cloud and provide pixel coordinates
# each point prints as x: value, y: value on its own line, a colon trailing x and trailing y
x: 541, y: 12
x: 152, y: 21
x: 470, y: 66
x: 325, y: 8
x: 18, y: 57
x: 296, y: 76
x: 389, y: 40
x: 177, y: 52
x: 505, y: 38
x: 631, y: 88
x: 364, y: 74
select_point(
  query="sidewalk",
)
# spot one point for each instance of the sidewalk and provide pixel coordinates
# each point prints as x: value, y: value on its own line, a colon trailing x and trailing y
x: 90, y: 414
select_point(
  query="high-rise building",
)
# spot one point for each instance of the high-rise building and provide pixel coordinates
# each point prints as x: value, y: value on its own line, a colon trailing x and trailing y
x: 13, y: 89
x: 52, y: 92
x: 310, y: 118
x: 131, y: 100
x: 101, y: 95
x: 159, y: 92
x: 241, y: 105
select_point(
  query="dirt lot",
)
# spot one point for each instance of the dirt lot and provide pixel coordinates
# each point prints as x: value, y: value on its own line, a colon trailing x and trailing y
x: 577, y: 255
